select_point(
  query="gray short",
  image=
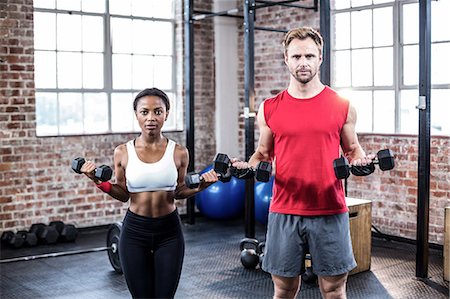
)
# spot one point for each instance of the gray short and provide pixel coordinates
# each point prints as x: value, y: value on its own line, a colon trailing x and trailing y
x: 290, y: 237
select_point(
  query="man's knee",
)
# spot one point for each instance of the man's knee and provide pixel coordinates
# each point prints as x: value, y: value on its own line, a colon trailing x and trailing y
x: 333, y: 287
x: 286, y: 287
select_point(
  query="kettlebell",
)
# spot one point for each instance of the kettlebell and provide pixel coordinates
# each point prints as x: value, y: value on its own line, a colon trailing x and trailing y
x: 308, y: 276
x: 260, y: 252
x: 249, y: 256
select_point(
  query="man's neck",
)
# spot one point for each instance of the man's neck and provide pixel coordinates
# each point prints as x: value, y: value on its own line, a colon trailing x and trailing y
x: 305, y: 91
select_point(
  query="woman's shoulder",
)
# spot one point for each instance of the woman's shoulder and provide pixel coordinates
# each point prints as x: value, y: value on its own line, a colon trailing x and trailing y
x: 121, y: 148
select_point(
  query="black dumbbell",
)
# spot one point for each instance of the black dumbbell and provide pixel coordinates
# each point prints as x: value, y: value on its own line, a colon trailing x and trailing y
x: 45, y: 234
x: 9, y: 238
x: 103, y: 172
x: 384, y: 159
x: 193, y: 180
x: 67, y: 232
x: 249, y: 254
x: 262, y: 172
x: 30, y: 239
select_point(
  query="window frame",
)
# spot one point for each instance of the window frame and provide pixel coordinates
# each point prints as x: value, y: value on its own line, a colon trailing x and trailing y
x: 398, y: 59
x: 176, y: 101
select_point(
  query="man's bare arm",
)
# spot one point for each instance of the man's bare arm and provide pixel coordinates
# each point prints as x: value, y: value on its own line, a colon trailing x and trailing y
x: 264, y: 151
x: 349, y: 141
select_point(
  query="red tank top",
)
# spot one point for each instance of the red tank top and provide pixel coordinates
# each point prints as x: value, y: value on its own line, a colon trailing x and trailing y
x: 306, y: 141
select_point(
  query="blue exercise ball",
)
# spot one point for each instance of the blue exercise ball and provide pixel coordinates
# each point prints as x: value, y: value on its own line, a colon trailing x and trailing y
x: 263, y: 196
x: 222, y: 200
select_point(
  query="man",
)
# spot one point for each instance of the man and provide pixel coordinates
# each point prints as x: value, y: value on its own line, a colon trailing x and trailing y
x: 302, y: 129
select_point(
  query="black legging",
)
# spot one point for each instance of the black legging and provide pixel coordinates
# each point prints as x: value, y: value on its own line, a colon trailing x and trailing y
x: 151, y: 252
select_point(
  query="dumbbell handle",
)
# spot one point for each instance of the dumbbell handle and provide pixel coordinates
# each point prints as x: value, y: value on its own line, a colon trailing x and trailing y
x: 77, y: 163
x: 199, y: 178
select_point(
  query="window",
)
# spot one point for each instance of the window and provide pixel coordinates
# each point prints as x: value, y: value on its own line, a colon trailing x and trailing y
x: 93, y: 56
x: 375, y: 63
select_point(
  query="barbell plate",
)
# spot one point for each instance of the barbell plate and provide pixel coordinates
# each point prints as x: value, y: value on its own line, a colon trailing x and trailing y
x: 112, y: 240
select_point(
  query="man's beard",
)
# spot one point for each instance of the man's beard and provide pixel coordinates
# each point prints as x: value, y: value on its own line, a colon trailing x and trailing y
x: 303, y: 80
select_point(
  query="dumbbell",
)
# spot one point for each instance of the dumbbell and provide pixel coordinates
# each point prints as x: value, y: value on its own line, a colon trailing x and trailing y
x: 9, y: 238
x: 249, y: 255
x: 45, y: 234
x: 384, y: 159
x: 103, y: 172
x: 30, y: 239
x: 67, y: 232
x: 193, y: 180
x: 262, y: 172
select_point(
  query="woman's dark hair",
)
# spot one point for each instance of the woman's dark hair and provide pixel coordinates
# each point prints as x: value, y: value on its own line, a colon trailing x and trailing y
x: 152, y: 92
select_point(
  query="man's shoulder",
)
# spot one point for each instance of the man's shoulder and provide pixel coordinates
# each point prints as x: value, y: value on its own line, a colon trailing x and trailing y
x: 277, y: 97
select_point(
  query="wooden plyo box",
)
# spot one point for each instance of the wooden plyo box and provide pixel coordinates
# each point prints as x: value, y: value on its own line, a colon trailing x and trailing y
x: 447, y: 244
x: 360, y: 211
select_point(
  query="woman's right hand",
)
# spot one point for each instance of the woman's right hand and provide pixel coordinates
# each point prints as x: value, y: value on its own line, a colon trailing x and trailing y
x: 88, y: 169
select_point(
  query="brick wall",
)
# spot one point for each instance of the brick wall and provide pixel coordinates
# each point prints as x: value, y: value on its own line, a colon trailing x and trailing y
x: 36, y: 182
x: 394, y: 193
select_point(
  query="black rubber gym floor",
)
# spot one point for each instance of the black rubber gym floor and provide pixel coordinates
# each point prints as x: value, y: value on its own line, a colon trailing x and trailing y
x: 212, y: 269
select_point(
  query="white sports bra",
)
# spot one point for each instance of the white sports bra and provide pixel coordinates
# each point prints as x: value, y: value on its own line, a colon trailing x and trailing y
x: 159, y: 176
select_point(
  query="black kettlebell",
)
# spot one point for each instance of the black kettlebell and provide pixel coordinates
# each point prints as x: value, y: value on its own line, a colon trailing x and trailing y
x: 308, y: 276
x: 260, y: 252
x: 249, y: 256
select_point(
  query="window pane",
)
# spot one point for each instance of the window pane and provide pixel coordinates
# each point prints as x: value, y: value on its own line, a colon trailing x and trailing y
x: 384, y: 111
x: 362, y: 67
x: 69, y: 70
x: 93, y: 6
x: 163, y: 72
x: 341, y: 4
x: 383, y: 66
x: 362, y: 28
x: 141, y: 30
x: 121, y: 69
x: 69, y: 32
x: 409, y: 117
x: 356, y: 3
x: 142, y: 71
x: 121, y: 35
x: 342, y: 40
x: 68, y: 4
x: 92, y: 34
x: 45, y: 69
x: 163, y: 33
x: 44, y: 3
x: 382, y: 1
x: 70, y: 113
x: 382, y: 26
x: 410, y: 24
x: 95, y: 113
x: 122, y: 112
x: 142, y: 8
x: 120, y: 7
x: 46, y: 114
x: 440, y: 63
x: 163, y: 9
x: 440, y: 107
x: 44, y: 31
x: 342, y: 69
x: 410, y: 65
x: 362, y: 101
x: 440, y: 20
x: 93, y: 70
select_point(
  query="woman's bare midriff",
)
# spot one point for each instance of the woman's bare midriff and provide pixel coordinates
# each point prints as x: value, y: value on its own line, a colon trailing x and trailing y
x: 152, y: 203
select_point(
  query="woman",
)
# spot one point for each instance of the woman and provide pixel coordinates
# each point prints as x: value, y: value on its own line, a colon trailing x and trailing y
x: 150, y: 171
